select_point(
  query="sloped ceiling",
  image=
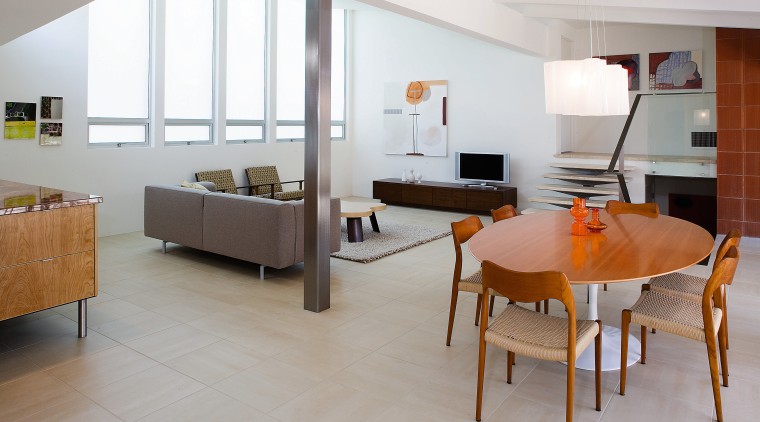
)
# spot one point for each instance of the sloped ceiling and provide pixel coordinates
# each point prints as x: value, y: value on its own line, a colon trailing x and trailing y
x: 18, y: 17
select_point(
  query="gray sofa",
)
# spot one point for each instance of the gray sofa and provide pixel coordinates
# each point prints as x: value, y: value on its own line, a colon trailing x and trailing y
x: 259, y: 230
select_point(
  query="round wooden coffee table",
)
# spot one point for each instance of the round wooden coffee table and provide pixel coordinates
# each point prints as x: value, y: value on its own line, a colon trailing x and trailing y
x: 353, y: 213
x: 633, y: 247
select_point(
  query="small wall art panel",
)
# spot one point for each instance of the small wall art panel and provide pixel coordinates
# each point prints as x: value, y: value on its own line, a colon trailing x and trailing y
x: 20, y: 120
x: 675, y: 70
x: 414, y: 118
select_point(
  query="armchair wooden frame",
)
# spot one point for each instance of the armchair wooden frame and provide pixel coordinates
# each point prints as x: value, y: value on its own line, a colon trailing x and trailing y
x: 507, y: 330
x: 674, y: 315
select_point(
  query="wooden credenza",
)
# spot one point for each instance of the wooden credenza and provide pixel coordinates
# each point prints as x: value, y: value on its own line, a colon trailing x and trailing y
x: 443, y: 196
x: 49, y: 254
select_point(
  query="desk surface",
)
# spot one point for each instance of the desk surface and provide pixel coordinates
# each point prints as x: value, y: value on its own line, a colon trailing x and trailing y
x: 632, y: 247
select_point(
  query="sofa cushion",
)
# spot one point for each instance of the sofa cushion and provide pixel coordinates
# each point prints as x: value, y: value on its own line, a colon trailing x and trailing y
x: 253, y: 229
x: 174, y: 214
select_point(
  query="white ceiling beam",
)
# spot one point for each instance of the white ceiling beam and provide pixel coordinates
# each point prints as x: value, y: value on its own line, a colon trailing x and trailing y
x: 695, y: 5
x: 645, y: 16
x: 482, y: 19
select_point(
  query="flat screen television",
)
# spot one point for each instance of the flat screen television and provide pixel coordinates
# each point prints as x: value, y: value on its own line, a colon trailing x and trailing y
x: 482, y: 167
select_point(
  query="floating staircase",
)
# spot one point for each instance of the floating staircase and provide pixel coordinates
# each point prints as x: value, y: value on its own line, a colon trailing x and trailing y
x: 589, y: 181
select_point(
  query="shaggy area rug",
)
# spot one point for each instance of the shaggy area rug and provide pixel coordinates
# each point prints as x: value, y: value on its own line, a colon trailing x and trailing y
x: 391, y: 239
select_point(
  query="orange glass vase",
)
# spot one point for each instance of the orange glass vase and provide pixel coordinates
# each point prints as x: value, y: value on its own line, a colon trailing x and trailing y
x: 579, y: 212
x: 595, y: 226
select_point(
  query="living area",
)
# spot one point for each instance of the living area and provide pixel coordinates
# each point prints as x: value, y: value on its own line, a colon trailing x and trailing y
x: 192, y: 335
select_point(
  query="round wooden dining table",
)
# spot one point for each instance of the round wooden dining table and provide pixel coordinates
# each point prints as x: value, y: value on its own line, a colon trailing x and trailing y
x: 632, y: 247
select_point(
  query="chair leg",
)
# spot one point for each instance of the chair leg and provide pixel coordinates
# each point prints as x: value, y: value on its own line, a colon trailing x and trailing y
x: 723, y: 356
x: 481, y: 368
x: 477, y: 308
x: 490, y: 306
x: 643, y: 345
x: 598, y: 366
x: 605, y: 287
x: 538, y: 306
x: 712, y: 356
x: 546, y: 306
x: 570, y: 389
x: 510, y: 363
x: 625, y: 325
x: 725, y: 314
x: 452, y: 312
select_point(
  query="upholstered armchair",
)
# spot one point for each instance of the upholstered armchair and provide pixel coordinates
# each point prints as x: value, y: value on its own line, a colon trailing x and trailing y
x: 265, y: 183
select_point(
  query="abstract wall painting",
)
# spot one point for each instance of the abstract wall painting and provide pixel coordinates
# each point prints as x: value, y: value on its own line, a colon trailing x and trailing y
x: 51, y: 133
x: 631, y: 64
x: 20, y: 120
x: 414, y: 118
x: 51, y: 108
x: 675, y: 70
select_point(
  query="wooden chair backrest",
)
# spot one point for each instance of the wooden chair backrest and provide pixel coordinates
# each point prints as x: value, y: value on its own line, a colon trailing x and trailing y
x: 462, y: 231
x: 531, y: 287
x: 504, y: 212
x: 649, y: 209
x: 713, y: 294
x: 733, y: 238
x: 222, y: 179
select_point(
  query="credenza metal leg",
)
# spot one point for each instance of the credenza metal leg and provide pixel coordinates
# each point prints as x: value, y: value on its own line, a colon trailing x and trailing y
x: 83, y: 318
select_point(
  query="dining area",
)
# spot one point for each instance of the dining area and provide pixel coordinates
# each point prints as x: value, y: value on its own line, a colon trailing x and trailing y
x: 548, y: 274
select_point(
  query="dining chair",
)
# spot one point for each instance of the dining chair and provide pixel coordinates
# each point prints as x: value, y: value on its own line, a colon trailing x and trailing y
x: 223, y: 180
x: 462, y: 231
x: 265, y: 183
x: 701, y: 321
x: 648, y: 209
x: 691, y: 287
x: 502, y: 213
x: 524, y: 332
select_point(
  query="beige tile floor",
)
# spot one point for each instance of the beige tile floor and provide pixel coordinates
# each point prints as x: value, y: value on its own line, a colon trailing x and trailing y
x: 193, y: 336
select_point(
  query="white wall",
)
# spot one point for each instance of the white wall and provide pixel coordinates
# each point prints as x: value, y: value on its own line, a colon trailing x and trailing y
x: 52, y: 61
x: 495, y: 100
x: 600, y: 134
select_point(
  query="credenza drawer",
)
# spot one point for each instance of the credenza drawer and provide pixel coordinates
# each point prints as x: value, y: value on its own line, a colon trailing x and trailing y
x: 39, y: 235
x: 43, y: 284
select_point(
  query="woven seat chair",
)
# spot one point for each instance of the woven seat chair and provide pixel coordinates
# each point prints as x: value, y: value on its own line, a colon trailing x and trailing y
x: 503, y: 213
x: 702, y: 321
x: 265, y: 183
x: 462, y: 231
x: 524, y: 332
x: 647, y: 209
x: 691, y: 287
x: 221, y: 178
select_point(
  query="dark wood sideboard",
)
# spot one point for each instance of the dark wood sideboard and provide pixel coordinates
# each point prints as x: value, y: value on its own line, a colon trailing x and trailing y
x: 444, y: 196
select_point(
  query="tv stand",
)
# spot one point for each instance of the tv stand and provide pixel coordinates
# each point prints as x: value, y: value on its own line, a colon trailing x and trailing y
x: 473, y: 199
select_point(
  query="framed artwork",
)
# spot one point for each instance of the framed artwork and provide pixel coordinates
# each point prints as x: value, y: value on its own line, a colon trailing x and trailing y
x: 630, y: 63
x: 51, y: 133
x: 51, y: 108
x: 20, y: 120
x: 675, y: 70
x: 414, y: 118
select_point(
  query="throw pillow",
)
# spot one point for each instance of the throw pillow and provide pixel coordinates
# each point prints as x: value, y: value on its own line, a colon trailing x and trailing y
x: 192, y: 185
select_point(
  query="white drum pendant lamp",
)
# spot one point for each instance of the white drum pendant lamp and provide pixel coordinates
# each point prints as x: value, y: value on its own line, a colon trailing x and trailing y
x: 588, y: 87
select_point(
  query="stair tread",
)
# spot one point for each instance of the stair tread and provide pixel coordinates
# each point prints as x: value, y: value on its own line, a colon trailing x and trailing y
x: 579, y: 189
x: 556, y: 200
x: 599, y: 178
x: 585, y: 166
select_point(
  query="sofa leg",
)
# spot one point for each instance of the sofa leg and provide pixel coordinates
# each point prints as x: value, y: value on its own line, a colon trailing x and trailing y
x: 163, y: 247
x: 261, y: 272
